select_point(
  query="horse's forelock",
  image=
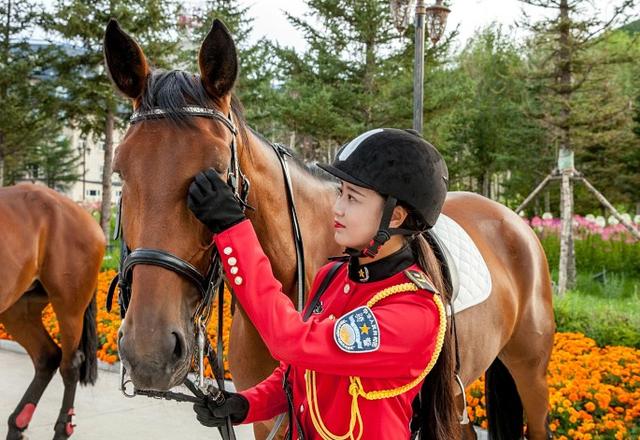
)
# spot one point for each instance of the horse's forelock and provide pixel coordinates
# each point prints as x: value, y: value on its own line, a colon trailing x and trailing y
x: 171, y: 91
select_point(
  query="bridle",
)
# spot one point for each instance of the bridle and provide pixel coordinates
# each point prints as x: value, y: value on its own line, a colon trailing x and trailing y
x: 208, y: 284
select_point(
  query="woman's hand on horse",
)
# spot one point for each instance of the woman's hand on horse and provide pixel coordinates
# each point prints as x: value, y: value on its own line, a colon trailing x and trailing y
x: 235, y: 406
x: 213, y: 202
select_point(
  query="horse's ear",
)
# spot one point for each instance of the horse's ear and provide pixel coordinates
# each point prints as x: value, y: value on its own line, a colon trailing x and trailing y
x: 125, y: 61
x: 218, y: 61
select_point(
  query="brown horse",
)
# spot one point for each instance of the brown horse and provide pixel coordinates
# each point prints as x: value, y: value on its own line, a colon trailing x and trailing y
x: 510, y: 334
x: 51, y: 253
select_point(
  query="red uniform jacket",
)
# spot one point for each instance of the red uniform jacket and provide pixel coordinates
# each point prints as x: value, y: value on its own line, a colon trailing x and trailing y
x: 407, y: 324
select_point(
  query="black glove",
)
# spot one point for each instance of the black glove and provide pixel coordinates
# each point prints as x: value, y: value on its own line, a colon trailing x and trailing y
x: 235, y: 406
x: 213, y: 202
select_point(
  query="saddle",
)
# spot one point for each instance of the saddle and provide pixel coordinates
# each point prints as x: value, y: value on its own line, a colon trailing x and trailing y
x: 465, y: 272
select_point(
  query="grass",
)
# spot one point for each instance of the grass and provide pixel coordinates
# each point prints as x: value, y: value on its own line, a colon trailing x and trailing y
x: 605, y: 308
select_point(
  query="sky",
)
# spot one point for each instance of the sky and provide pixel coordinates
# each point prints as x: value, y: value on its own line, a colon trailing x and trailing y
x: 469, y: 15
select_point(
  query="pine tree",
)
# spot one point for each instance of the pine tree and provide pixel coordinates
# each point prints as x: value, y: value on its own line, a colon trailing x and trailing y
x: 495, y: 140
x: 356, y: 74
x: 55, y: 163
x: 28, y: 105
x: 90, y: 102
x: 631, y: 177
x: 566, y: 63
x: 605, y: 139
x: 254, y: 85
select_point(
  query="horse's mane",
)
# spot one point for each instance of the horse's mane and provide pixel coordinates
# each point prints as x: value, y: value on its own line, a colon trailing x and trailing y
x: 311, y: 169
x: 172, y: 90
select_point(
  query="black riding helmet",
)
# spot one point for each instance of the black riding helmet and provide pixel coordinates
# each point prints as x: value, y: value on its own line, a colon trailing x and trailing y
x: 402, y: 167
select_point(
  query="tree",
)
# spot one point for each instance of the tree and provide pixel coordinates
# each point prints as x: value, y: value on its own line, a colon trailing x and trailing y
x: 254, y: 86
x: 631, y: 178
x: 90, y: 102
x: 356, y: 74
x: 497, y: 145
x: 604, y: 141
x: 564, y: 67
x: 54, y: 162
x: 28, y: 106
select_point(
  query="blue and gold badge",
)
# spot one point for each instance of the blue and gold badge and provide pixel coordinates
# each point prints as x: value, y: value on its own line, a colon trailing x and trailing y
x: 357, y: 331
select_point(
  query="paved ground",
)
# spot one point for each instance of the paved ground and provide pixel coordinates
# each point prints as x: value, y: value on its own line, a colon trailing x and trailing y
x: 102, y: 411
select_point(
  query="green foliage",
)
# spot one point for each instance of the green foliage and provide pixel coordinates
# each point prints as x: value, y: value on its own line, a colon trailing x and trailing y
x: 593, y: 254
x: 632, y: 28
x: 491, y: 132
x: 608, y: 320
x: 356, y: 74
x: 257, y: 68
x: 55, y: 163
x: 606, y: 148
x: 80, y: 68
x: 111, y: 258
x: 29, y: 111
x: 580, y: 73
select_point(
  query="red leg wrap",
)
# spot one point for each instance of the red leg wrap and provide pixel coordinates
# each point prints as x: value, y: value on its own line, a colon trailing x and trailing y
x: 23, y: 419
x: 69, y: 426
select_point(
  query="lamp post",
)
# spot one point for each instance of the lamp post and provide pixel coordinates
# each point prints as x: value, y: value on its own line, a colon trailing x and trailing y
x: 435, y: 17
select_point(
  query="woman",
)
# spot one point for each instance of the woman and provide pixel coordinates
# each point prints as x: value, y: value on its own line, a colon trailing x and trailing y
x: 354, y: 365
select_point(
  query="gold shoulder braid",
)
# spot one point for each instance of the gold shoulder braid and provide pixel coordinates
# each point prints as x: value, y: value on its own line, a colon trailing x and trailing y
x: 355, y: 388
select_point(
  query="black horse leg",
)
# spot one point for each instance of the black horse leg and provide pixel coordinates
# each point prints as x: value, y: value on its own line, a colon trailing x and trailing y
x: 23, y: 321
x: 70, y: 376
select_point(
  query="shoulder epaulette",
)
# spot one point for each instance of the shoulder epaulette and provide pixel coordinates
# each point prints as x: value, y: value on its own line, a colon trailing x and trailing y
x: 420, y: 279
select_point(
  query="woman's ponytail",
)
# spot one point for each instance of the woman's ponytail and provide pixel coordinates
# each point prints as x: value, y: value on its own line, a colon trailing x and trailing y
x: 437, y: 416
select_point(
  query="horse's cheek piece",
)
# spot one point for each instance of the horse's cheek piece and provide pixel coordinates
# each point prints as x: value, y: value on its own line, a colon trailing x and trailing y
x: 24, y: 417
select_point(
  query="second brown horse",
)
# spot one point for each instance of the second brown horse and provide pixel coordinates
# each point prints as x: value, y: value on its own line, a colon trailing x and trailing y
x: 51, y: 252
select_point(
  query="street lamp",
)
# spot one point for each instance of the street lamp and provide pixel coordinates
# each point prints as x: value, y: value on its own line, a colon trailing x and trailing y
x: 436, y: 21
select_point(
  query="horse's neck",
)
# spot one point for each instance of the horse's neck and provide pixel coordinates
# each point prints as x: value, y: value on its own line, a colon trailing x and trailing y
x: 272, y: 218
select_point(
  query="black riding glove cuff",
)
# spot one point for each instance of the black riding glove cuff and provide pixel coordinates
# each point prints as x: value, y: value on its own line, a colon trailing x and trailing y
x: 213, y: 202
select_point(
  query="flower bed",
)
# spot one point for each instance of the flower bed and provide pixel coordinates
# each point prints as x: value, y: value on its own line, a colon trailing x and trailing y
x: 108, y: 324
x: 594, y: 392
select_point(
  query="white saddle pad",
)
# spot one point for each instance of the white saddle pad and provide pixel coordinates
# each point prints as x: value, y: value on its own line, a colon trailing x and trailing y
x: 473, y: 273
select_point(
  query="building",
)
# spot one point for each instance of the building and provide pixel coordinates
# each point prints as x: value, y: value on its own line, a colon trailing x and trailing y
x: 89, y: 187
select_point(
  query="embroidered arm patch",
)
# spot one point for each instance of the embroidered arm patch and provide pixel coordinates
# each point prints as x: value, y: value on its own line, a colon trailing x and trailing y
x: 357, y: 331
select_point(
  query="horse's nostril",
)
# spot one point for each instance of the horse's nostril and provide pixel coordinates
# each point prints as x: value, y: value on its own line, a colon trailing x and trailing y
x: 178, y: 350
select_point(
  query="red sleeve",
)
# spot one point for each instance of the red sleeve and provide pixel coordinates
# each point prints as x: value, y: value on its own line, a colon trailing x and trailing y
x: 267, y: 399
x: 407, y: 322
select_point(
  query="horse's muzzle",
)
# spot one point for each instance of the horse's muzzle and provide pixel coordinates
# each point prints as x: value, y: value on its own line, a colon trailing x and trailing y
x: 155, y: 360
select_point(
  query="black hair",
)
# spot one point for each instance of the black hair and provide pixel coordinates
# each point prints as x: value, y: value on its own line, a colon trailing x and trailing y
x: 435, y: 413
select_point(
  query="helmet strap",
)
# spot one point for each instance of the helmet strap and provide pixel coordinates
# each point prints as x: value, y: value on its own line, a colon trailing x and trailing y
x: 384, y: 234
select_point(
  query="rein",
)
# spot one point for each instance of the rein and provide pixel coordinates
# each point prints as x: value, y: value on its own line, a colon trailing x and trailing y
x: 208, y: 284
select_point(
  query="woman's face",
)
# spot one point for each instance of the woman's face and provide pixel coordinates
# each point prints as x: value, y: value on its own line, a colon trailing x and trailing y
x: 357, y: 213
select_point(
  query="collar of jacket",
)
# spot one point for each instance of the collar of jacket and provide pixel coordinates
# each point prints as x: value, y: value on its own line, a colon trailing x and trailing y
x: 382, y: 268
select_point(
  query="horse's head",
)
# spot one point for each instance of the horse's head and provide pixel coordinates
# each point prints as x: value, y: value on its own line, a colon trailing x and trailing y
x: 163, y: 149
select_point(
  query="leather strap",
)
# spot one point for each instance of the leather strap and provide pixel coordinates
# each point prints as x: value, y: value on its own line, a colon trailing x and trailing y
x: 285, y: 382
x: 157, y: 257
x: 282, y: 154
x: 323, y: 287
